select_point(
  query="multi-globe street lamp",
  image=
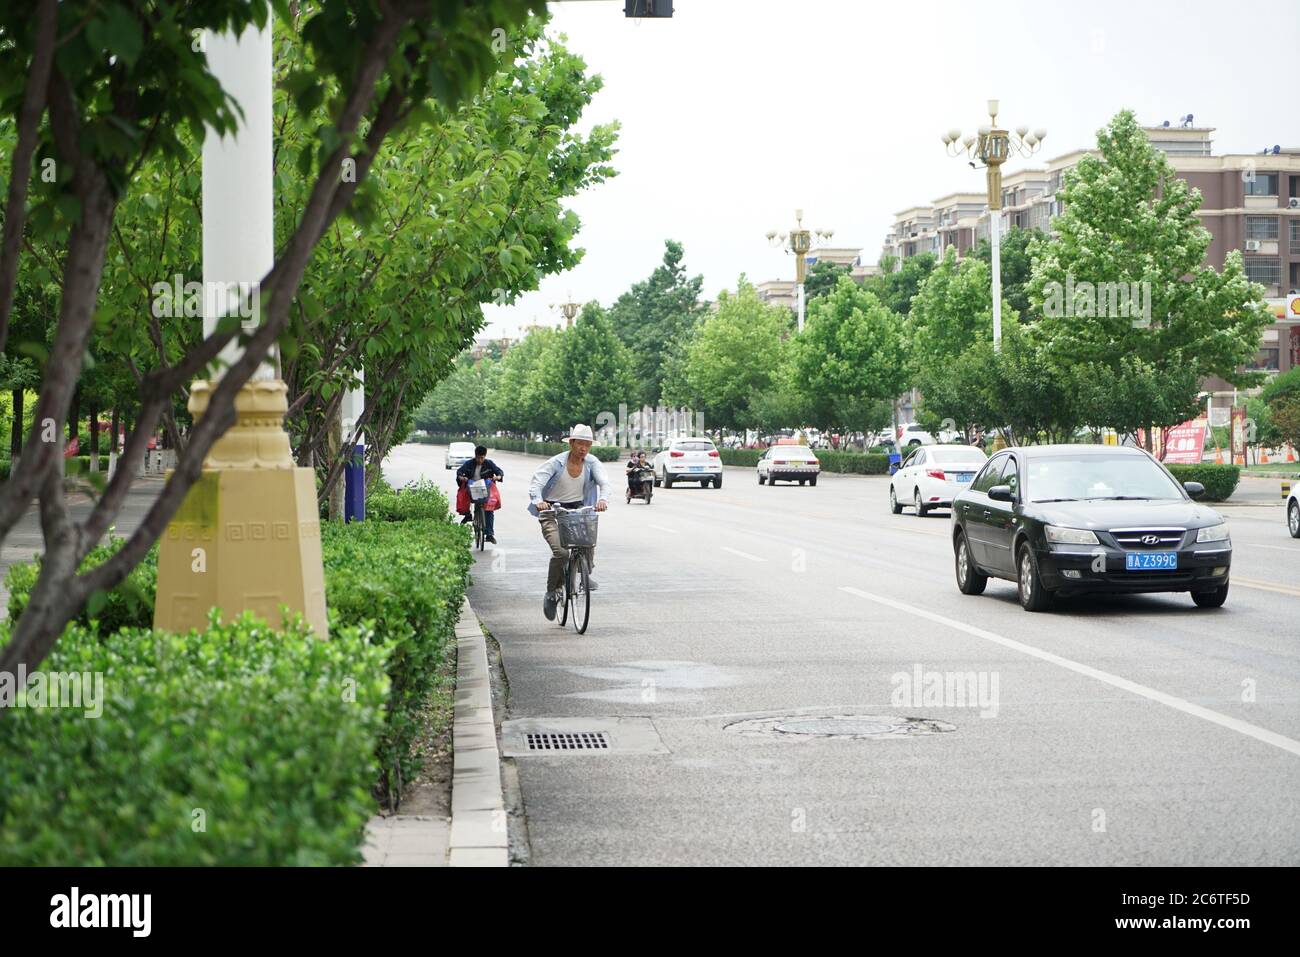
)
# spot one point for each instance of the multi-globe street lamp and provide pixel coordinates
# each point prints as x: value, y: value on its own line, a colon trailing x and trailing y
x: 567, y: 309
x: 798, y: 241
x: 992, y: 147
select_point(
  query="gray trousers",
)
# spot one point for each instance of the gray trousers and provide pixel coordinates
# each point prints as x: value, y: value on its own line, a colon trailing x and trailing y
x: 559, y: 554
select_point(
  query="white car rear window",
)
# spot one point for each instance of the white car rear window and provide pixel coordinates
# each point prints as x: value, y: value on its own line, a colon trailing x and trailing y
x: 693, y: 446
x: 793, y: 452
x: 957, y: 455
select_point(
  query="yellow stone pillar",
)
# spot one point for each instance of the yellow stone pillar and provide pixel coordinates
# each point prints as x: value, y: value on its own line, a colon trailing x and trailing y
x: 247, y: 535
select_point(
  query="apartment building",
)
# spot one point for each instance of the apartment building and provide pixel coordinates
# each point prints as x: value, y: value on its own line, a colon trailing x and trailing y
x: 783, y: 292
x: 1250, y: 202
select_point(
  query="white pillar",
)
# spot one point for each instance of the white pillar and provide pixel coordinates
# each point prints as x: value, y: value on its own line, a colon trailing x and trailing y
x: 801, y: 307
x: 238, y: 210
x: 995, y: 231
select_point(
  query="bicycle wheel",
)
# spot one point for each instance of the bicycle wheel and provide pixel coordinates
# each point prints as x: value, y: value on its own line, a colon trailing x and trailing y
x: 478, y: 527
x: 563, y: 616
x: 581, y: 599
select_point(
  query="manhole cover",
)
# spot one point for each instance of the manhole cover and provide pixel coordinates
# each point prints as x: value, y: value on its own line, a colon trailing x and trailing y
x: 841, y: 726
x: 567, y: 741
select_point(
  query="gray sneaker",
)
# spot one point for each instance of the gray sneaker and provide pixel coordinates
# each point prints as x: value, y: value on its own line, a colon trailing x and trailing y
x: 548, y: 605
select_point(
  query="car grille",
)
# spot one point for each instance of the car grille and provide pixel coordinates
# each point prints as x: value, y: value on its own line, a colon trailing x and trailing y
x: 1140, y: 539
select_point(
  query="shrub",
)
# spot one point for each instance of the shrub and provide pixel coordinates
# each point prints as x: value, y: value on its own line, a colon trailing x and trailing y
x: 419, y: 500
x: 238, y: 745
x: 742, y: 457
x: 1220, y: 481
x: 857, y: 463
x: 406, y: 581
x: 129, y: 605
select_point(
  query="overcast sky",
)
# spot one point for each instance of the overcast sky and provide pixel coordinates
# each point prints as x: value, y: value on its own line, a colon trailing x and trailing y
x: 736, y: 112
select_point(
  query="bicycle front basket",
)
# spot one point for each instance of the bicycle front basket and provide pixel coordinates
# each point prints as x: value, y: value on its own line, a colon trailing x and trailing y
x: 577, y: 529
x: 478, y: 490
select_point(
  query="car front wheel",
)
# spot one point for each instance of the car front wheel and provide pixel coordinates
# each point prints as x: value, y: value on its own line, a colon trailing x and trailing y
x: 970, y: 580
x: 1033, y: 596
x: 1211, y: 599
x: 894, y: 505
x: 1293, y: 519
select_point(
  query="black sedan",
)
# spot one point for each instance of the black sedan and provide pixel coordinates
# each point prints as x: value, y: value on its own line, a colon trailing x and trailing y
x: 1067, y: 519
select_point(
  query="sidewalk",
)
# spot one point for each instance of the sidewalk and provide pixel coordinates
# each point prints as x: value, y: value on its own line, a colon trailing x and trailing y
x: 25, y: 540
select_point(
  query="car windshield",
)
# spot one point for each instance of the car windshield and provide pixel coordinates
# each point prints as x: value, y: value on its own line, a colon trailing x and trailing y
x: 1070, y: 478
x: 963, y: 454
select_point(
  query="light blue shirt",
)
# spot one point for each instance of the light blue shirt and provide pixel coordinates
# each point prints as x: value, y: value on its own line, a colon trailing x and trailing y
x: 595, y: 484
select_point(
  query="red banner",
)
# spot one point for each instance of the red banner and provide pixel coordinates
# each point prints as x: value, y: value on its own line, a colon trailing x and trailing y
x: 1185, y: 444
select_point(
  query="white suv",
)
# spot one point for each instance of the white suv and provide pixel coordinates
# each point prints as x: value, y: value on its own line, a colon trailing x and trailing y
x: 689, y: 460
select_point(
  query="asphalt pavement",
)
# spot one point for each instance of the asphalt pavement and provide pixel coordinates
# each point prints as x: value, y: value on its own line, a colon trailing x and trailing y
x: 1114, y: 730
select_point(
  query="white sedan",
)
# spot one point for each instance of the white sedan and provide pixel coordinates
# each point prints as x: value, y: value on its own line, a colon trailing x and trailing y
x: 1293, y: 510
x: 789, y: 463
x: 689, y: 460
x: 458, y: 453
x: 932, y: 474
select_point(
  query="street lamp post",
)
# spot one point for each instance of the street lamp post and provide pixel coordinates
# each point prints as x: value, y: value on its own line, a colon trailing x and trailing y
x: 992, y: 147
x: 569, y: 310
x: 799, y: 242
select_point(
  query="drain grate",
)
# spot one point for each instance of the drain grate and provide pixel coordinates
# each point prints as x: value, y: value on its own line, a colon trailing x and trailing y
x: 567, y: 740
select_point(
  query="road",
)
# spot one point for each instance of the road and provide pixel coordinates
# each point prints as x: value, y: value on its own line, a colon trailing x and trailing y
x: 1127, y: 730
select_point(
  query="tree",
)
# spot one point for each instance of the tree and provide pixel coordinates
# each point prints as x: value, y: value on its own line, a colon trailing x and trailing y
x: 592, y: 370
x: 1016, y: 255
x: 654, y: 319
x: 1124, y: 280
x: 734, y: 358
x: 521, y: 400
x: 1285, y: 416
x: 122, y: 83
x: 822, y: 277
x: 852, y: 351
x: 895, y: 286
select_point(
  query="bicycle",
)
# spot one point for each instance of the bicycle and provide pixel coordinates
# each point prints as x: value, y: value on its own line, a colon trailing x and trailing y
x: 577, y: 533
x: 478, y: 493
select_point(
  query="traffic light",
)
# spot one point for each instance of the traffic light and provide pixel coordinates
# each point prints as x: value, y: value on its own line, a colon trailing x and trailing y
x: 648, y: 8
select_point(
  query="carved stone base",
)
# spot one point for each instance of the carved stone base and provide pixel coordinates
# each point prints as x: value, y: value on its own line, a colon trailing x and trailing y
x: 247, y: 536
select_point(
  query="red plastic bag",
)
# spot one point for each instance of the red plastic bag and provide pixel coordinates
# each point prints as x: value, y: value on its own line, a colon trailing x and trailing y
x: 494, y: 498
x: 463, y: 504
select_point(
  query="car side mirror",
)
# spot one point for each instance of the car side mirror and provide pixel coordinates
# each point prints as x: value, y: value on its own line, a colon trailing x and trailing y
x: 1002, y: 493
x: 1194, y: 489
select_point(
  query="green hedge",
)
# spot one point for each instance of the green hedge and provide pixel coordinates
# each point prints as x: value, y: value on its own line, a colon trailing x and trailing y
x: 506, y: 443
x: 394, y: 585
x: 238, y: 745
x: 1220, y: 481
x: 406, y: 580
x: 856, y: 463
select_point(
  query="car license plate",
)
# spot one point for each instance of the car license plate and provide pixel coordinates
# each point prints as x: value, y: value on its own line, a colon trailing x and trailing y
x: 963, y: 476
x: 1151, y: 561
x: 697, y: 468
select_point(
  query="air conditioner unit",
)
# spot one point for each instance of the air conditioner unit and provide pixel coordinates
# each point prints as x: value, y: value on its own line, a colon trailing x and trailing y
x: 1294, y: 202
x: 1252, y: 245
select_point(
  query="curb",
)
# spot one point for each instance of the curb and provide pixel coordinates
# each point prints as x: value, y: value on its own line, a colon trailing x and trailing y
x: 478, y: 812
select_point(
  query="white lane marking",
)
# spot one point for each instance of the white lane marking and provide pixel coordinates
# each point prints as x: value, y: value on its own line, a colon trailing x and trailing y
x: 1265, y: 586
x: 1178, y: 704
x: 664, y: 528
x: 736, y: 551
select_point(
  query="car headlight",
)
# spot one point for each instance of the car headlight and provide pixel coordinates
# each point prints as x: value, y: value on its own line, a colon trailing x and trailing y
x: 1069, y: 536
x: 1213, y: 533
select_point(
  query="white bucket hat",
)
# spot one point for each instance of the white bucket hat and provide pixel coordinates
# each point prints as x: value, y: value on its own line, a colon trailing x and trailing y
x: 582, y: 432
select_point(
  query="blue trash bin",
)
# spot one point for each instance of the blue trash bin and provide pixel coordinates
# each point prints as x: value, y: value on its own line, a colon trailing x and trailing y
x: 895, y: 460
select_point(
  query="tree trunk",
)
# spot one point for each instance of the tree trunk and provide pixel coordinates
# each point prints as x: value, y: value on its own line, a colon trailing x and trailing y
x: 16, y: 436
x: 94, y: 436
x: 74, y: 417
x: 335, y: 450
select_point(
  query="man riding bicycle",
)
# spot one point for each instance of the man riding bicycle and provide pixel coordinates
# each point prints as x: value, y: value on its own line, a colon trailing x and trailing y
x: 571, y: 479
x: 479, y: 467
